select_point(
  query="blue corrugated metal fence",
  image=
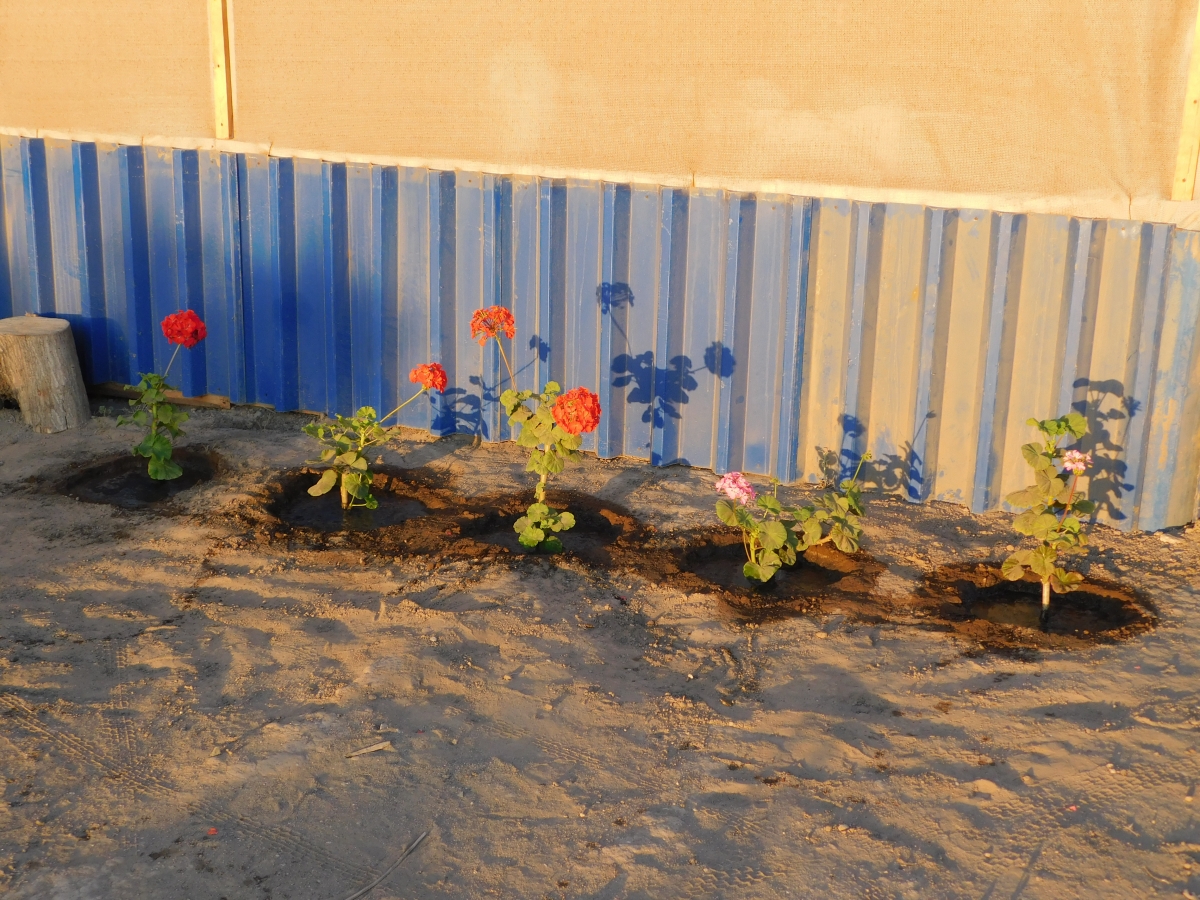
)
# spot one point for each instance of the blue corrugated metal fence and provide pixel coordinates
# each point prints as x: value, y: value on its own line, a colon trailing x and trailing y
x: 772, y: 334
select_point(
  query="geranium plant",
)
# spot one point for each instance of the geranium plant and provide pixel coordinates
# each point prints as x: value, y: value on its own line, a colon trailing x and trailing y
x: 552, y: 428
x: 162, y: 420
x: 347, y: 440
x: 774, y: 535
x: 1051, y: 512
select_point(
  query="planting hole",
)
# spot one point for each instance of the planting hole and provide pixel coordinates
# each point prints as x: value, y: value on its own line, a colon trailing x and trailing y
x: 979, y: 602
x: 296, y: 508
x: 124, y: 482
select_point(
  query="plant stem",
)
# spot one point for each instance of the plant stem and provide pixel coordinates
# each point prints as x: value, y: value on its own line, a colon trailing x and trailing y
x: 404, y: 404
x: 1045, y: 603
x: 171, y: 363
x: 345, y: 495
x: 504, y: 356
x: 1070, y: 497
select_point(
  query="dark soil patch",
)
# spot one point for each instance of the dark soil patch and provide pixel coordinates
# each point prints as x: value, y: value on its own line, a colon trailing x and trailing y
x: 977, y: 602
x: 123, y: 481
x: 603, y: 532
x: 710, y: 561
x: 419, y: 514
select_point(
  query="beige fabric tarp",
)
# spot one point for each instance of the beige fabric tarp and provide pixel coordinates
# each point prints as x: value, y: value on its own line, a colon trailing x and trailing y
x: 1043, y: 97
x: 112, y: 66
x: 1029, y: 98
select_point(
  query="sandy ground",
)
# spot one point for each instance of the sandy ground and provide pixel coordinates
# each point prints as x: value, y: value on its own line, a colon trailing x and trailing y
x: 177, y: 703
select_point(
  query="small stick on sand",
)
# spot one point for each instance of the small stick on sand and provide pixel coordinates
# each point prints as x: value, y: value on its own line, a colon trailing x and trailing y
x: 362, y: 892
x: 382, y: 745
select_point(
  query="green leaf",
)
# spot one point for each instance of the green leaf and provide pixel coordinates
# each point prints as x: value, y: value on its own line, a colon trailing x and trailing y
x: 1024, y: 497
x: 773, y: 535
x: 1083, y: 507
x: 770, y: 504
x: 1076, y: 424
x: 328, y: 479
x: 1013, y: 568
x: 538, y: 511
x: 551, y: 545
x: 566, y: 521
x: 552, y: 388
x: 754, y: 572
x: 531, y: 537
x: 1062, y: 581
x: 726, y: 513
x: 1041, y: 561
x: 1034, y: 456
x: 163, y: 469
x: 845, y: 539
x: 372, y: 503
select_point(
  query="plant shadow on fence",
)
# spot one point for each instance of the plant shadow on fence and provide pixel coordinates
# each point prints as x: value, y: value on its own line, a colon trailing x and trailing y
x: 1109, y: 412
x: 902, y: 471
x: 661, y: 386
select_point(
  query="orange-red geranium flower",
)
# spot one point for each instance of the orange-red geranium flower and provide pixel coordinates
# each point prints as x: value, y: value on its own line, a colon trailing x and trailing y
x: 430, y: 376
x: 184, y: 328
x: 577, y: 411
x: 488, y: 323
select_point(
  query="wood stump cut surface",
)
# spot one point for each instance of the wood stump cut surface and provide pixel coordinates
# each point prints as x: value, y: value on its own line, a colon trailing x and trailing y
x: 39, y: 366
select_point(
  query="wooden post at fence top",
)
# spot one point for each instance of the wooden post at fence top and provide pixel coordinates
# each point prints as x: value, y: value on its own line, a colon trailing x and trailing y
x: 1184, y: 185
x: 218, y: 46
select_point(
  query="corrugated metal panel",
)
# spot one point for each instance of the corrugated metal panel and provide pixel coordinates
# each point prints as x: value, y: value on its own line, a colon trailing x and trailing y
x: 773, y: 334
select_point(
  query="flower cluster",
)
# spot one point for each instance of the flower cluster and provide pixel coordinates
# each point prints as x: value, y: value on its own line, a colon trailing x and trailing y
x: 488, y: 323
x: 430, y: 376
x: 184, y: 328
x: 577, y: 411
x: 1076, y: 461
x: 735, y: 486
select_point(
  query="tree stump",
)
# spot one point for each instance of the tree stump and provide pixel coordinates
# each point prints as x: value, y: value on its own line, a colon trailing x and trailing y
x: 39, y: 367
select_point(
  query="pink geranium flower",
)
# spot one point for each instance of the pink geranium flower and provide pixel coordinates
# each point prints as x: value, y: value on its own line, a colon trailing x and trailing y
x: 1076, y: 461
x: 735, y: 486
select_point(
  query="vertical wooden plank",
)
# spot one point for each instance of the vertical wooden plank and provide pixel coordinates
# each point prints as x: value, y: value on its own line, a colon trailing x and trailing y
x: 1184, y: 185
x: 218, y: 46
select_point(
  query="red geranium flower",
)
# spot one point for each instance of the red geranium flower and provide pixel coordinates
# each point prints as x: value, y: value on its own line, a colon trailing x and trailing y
x: 430, y: 376
x: 184, y: 328
x: 577, y: 411
x: 488, y: 323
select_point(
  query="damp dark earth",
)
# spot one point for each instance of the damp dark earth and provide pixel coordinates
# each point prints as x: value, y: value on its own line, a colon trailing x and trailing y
x: 224, y: 687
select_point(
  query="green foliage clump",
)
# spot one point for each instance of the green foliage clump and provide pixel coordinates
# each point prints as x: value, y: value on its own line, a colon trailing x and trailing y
x: 346, y: 441
x: 163, y: 423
